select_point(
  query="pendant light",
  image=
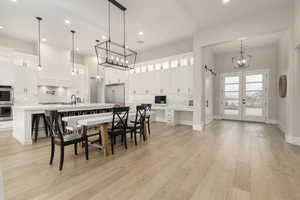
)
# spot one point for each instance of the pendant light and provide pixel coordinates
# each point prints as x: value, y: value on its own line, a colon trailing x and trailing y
x: 39, y: 67
x: 73, y: 52
x: 243, y: 60
x: 98, y: 74
x: 112, y: 54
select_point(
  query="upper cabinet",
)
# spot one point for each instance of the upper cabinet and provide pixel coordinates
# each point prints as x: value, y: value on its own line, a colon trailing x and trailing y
x: 169, y: 76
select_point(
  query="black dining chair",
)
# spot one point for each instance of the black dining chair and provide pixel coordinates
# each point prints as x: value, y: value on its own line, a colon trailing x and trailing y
x: 137, y: 126
x: 148, y: 115
x: 118, y: 126
x: 62, y: 139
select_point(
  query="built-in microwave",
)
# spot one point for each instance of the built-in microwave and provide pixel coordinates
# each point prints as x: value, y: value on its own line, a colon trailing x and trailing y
x: 5, y: 112
x: 6, y: 95
x: 160, y: 100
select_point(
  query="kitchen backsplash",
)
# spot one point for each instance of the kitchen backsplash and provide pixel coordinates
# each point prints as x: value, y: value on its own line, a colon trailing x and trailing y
x: 48, y: 94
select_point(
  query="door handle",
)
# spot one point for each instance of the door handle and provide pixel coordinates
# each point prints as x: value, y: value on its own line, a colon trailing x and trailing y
x: 244, y: 101
x: 207, y: 103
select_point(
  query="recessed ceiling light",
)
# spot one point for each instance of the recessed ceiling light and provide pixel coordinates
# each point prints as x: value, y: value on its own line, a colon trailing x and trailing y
x: 13, y: 0
x: 67, y: 21
x: 104, y: 37
x: 1, y: 27
x: 141, y: 33
x: 44, y: 40
x: 226, y: 1
x: 77, y: 49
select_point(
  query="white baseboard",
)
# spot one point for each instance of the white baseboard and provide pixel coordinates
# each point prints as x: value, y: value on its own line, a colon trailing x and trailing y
x: 198, y: 127
x: 282, y: 128
x: 218, y: 117
x: 292, y: 140
x: 185, y: 122
x: 272, y: 121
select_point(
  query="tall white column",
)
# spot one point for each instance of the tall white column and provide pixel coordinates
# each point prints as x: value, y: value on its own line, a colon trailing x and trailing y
x: 293, y: 132
x: 198, y: 87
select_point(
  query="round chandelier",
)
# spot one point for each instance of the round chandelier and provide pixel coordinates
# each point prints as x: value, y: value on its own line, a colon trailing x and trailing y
x: 243, y: 60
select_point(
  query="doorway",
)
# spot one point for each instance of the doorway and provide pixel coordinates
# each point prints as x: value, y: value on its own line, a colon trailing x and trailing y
x: 244, y: 96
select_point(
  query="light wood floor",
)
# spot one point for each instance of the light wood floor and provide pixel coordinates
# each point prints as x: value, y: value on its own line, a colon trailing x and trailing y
x: 230, y: 160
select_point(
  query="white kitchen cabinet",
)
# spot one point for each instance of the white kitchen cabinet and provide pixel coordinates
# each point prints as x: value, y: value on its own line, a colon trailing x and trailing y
x: 182, y: 81
x: 162, y: 82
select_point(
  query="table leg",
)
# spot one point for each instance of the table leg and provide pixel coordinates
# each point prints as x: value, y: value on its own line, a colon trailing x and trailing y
x: 145, y: 131
x: 104, y: 136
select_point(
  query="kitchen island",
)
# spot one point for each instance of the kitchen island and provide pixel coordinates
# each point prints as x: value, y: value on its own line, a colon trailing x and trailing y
x: 22, y: 116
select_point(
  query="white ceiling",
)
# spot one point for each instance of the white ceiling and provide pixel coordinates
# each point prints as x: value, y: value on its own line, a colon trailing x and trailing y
x: 250, y: 43
x: 162, y: 21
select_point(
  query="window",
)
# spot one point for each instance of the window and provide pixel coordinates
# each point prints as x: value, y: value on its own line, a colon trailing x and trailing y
x: 137, y: 70
x: 192, y: 61
x: 150, y: 68
x: 183, y: 62
x: 144, y: 68
x: 174, y: 63
x: 166, y: 65
x: 158, y: 66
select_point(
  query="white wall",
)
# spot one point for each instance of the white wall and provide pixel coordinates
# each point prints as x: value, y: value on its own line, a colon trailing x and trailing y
x: 166, y: 50
x: 263, y: 58
x: 284, y: 63
x: 18, y: 45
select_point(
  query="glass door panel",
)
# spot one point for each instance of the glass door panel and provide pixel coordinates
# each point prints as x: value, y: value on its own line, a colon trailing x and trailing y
x: 231, y: 108
x: 254, y: 96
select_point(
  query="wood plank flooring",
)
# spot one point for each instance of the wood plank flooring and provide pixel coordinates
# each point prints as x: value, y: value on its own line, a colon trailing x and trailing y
x: 227, y: 161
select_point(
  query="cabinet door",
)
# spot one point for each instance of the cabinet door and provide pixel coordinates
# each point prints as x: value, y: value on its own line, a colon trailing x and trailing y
x: 163, y: 81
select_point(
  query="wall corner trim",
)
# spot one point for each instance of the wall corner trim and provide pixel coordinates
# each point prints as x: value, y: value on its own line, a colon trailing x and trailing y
x: 292, y: 140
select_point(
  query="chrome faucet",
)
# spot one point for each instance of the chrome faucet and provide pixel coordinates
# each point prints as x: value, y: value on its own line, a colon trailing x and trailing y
x: 73, y: 99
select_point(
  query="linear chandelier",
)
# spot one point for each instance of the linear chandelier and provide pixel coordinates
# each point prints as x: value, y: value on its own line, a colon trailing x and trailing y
x: 39, y: 67
x: 243, y: 60
x: 111, y: 54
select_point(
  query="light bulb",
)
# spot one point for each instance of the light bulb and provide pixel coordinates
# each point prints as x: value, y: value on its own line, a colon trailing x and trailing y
x: 39, y: 68
x: 73, y: 72
x: 98, y: 77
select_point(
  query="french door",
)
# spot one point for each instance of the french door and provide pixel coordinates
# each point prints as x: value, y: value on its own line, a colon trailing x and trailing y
x: 244, y: 96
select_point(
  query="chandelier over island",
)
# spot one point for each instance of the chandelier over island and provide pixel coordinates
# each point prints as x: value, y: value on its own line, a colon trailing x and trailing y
x: 112, y: 54
x: 243, y: 60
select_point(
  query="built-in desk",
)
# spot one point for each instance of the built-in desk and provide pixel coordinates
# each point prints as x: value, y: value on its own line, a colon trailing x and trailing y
x: 174, y: 114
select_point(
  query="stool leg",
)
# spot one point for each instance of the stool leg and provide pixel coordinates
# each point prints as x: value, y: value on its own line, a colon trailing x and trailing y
x: 37, y: 122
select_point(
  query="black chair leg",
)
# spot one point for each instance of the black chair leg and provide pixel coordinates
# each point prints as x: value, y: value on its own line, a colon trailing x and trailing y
x: 52, y: 151
x: 75, y: 148
x: 148, y: 123
x: 112, y: 144
x: 135, y: 137
x: 86, y: 148
x: 62, y: 155
x: 37, y: 123
x: 124, y: 139
x: 131, y: 134
x: 45, y: 124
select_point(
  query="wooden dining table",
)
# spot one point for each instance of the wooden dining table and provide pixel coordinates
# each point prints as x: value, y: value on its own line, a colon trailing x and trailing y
x: 102, y: 120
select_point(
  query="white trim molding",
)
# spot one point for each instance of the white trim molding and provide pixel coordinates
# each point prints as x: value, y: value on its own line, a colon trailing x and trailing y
x: 198, y: 127
x: 272, y: 121
x: 292, y: 140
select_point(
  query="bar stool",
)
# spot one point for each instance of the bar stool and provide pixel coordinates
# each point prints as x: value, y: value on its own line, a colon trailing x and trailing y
x: 35, y: 125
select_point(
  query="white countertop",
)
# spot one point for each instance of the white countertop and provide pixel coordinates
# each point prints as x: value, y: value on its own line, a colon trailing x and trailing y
x: 174, y: 107
x: 37, y: 107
